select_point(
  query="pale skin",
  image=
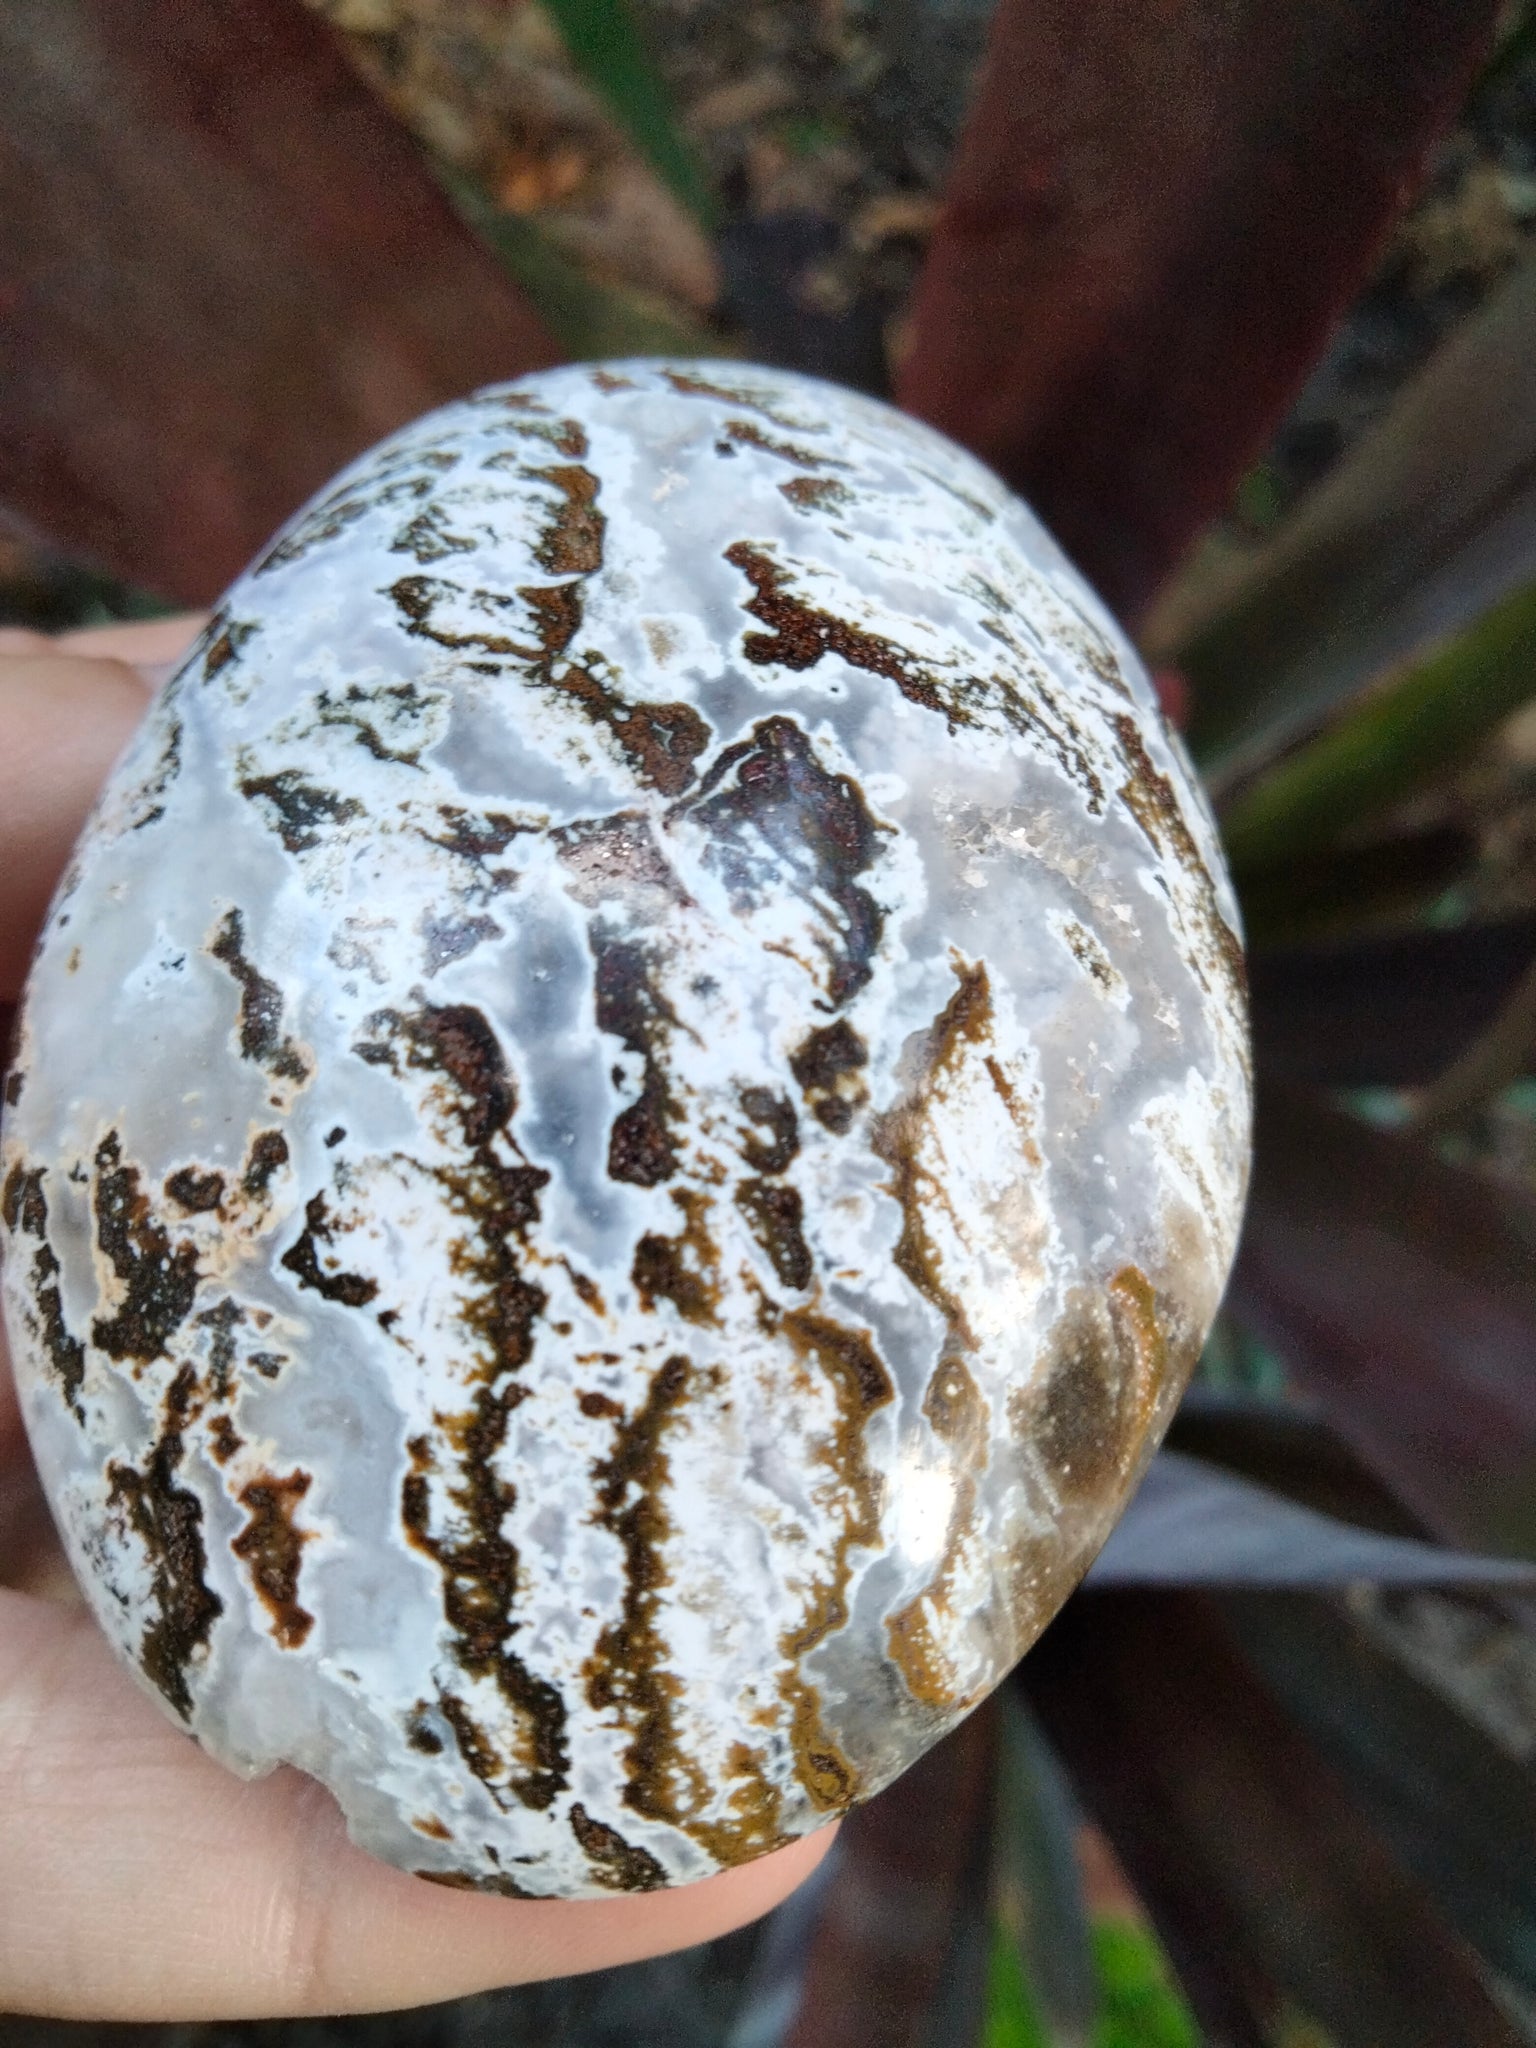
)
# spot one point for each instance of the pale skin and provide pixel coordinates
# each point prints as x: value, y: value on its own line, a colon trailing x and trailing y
x: 139, y: 1880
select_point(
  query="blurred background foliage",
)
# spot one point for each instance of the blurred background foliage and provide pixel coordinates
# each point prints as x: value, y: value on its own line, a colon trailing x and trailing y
x: 1243, y: 296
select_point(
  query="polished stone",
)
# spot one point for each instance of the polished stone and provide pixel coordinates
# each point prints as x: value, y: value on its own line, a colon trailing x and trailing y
x: 628, y: 1123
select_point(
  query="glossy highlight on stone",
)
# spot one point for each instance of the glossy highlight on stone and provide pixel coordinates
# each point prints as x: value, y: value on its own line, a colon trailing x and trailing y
x: 626, y: 1127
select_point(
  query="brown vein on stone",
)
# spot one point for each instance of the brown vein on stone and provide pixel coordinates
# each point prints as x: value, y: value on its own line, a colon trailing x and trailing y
x: 159, y: 1279
x: 658, y: 741
x: 829, y: 1777
x: 626, y: 1671
x: 168, y: 1521
x: 856, y: 1374
x: 774, y: 1113
x: 770, y: 795
x: 478, y: 1564
x: 267, y: 1157
x: 148, y: 800
x: 221, y: 642
x: 498, y: 1199
x: 24, y: 1211
x: 751, y: 436
x: 683, y: 1269
x: 401, y: 474
x: 193, y: 1191
x: 775, y: 1214
x: 630, y: 1004
x: 572, y: 544
x: 302, y: 1259
x: 368, y: 713
x: 816, y: 493
x: 296, y: 810
x: 828, y: 1064
x: 1150, y: 798
x: 966, y: 1021
x: 847, y: 1362
x: 271, y: 1545
x: 1106, y: 1363
x: 462, y: 1881
x: 801, y: 633
x: 428, y: 537
x: 223, y: 1439
x: 221, y: 1322
x: 262, y: 1039
x: 688, y: 384
x: 616, y: 1865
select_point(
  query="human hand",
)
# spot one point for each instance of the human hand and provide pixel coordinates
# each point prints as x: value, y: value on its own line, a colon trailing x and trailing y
x: 138, y: 1879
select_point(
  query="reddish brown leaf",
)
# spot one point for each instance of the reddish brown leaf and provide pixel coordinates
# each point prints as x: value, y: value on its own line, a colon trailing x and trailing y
x: 1253, y: 1859
x: 1401, y: 1292
x: 1383, y: 1010
x: 1455, y: 1807
x: 223, y: 272
x: 1155, y: 216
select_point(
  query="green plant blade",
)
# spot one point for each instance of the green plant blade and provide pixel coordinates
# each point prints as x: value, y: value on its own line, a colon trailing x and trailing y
x: 1012, y: 2020
x: 1142, y: 2007
x: 605, y: 42
x: 1409, y: 731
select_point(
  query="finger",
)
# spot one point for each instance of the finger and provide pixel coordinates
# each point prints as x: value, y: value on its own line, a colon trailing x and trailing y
x: 63, y: 722
x: 31, y: 1558
x: 151, y: 643
x: 140, y: 1880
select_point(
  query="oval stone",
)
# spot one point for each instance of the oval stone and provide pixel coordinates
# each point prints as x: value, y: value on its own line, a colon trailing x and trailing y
x: 625, y: 1129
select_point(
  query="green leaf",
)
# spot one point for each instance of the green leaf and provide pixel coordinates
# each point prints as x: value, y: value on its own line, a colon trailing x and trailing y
x: 1402, y: 736
x: 1012, y: 2021
x: 604, y: 41
x: 1142, y: 2008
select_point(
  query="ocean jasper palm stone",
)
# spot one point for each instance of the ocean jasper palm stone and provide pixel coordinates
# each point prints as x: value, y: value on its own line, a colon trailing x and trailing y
x: 625, y: 1129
